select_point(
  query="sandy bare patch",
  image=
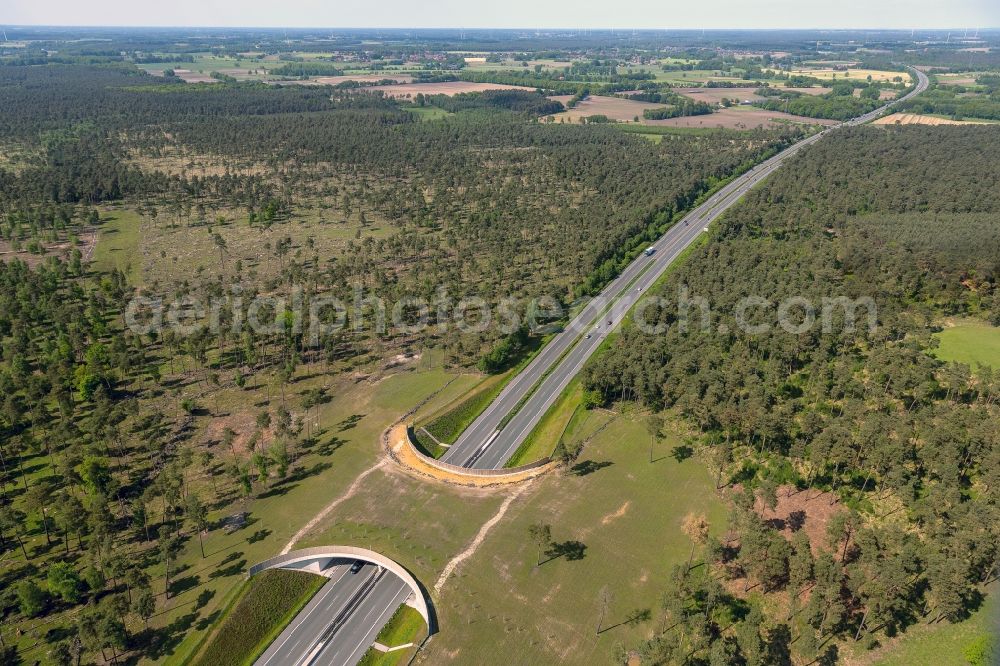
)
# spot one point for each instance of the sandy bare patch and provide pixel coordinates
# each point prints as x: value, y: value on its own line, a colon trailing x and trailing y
x: 406, y: 90
x: 806, y: 510
x: 917, y: 119
x: 616, y: 514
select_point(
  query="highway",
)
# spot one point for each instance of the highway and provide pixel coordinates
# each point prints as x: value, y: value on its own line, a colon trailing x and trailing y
x: 341, y: 621
x: 491, y: 440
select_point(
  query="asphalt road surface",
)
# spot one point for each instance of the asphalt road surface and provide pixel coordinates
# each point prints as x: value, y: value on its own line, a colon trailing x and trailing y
x: 491, y: 440
x: 341, y: 621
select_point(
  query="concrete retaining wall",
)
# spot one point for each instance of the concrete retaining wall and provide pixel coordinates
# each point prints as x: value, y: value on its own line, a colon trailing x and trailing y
x: 316, y: 559
x: 467, y: 471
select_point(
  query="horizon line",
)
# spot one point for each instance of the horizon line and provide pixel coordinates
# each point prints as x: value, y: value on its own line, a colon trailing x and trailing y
x: 510, y: 28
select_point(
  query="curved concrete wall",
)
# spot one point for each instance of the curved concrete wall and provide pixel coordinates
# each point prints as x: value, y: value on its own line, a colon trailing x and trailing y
x: 468, y: 471
x: 322, y: 555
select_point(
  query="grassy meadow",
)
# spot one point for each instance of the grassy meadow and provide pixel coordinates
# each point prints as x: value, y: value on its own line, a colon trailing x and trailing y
x: 970, y: 342
x: 615, y: 521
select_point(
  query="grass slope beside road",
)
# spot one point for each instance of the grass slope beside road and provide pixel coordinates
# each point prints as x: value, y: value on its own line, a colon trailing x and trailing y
x: 269, y: 603
x: 406, y: 626
x: 448, y: 423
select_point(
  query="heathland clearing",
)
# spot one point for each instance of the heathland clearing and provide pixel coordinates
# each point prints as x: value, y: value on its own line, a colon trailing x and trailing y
x: 971, y: 342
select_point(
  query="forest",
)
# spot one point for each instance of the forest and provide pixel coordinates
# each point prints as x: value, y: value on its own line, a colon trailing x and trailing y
x: 866, y: 418
x: 100, y: 470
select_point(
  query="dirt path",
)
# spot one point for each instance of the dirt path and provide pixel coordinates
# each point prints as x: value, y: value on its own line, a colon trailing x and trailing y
x: 480, y: 537
x: 331, y: 506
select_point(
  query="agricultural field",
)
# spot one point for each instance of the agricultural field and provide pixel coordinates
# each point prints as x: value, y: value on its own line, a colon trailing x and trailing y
x: 515, y: 65
x: 921, y: 119
x: 716, y: 95
x: 617, y: 109
x: 969, y: 96
x: 964, y: 79
x: 361, y: 78
x: 199, y: 71
x: 613, y: 108
x: 850, y: 74
x: 409, y: 90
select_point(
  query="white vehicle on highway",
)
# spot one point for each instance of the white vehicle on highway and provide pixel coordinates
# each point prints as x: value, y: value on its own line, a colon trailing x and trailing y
x: 649, y: 251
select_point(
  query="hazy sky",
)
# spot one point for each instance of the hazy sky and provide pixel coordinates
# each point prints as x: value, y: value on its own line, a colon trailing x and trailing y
x: 510, y: 13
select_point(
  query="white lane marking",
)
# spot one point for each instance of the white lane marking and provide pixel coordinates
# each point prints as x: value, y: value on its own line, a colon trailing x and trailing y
x: 346, y: 610
x: 292, y: 630
x: 396, y: 601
